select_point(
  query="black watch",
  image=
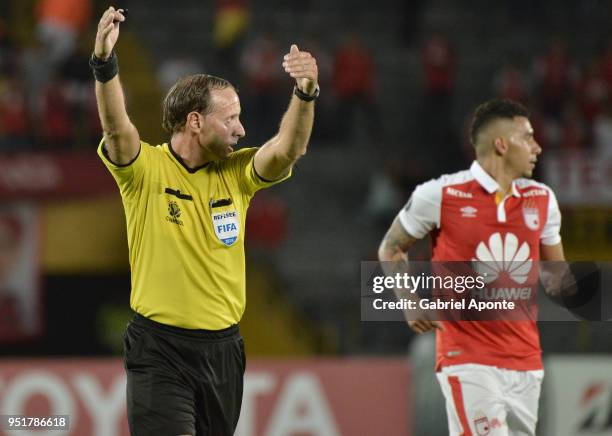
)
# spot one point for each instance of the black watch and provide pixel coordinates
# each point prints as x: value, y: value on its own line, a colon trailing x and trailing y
x: 306, y: 97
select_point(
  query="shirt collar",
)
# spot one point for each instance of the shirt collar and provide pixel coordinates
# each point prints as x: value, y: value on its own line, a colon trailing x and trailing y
x: 488, y: 182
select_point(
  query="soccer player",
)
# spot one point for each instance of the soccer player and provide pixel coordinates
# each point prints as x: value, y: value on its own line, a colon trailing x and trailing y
x: 185, y: 203
x: 490, y: 372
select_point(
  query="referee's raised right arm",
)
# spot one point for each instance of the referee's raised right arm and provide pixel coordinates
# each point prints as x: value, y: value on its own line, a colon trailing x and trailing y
x: 121, y: 138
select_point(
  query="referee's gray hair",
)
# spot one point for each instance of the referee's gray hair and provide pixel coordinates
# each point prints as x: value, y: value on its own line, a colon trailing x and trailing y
x: 190, y: 94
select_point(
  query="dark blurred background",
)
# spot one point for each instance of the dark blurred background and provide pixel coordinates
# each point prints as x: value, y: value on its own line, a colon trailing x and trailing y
x: 399, y: 81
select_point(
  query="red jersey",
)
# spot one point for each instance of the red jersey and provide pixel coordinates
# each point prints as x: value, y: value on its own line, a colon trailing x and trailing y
x: 466, y: 223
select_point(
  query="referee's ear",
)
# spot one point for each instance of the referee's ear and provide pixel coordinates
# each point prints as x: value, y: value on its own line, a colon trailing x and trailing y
x: 194, y: 121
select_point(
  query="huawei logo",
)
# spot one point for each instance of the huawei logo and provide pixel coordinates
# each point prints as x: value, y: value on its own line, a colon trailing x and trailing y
x: 503, y: 256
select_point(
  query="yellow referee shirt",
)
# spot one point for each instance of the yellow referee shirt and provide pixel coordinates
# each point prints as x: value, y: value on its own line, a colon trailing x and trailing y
x: 186, y: 235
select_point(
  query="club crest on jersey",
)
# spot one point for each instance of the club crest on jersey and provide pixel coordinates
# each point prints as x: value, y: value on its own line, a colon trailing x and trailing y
x: 531, y: 214
x: 482, y: 426
x: 227, y: 226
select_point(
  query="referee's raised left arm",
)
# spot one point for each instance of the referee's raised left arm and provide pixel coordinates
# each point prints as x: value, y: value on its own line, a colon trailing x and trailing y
x: 121, y: 139
x: 275, y: 158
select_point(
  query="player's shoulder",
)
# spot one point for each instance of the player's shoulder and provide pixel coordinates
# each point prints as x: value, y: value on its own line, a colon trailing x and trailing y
x: 432, y: 189
x: 451, y: 179
x: 458, y: 178
x: 530, y: 187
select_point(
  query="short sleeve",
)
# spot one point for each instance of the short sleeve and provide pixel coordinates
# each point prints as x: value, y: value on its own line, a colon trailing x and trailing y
x: 129, y: 177
x: 242, y: 163
x: 421, y: 214
x: 552, y: 228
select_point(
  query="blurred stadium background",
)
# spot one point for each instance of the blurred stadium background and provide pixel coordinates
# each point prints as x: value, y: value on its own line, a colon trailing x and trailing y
x: 399, y: 80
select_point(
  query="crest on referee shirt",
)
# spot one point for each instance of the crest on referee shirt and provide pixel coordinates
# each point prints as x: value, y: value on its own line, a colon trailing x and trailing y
x: 174, y: 213
x: 227, y: 226
x: 531, y: 214
x: 174, y: 210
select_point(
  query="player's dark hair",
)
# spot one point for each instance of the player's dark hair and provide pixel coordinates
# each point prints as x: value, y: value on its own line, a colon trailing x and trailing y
x: 190, y: 94
x: 493, y: 110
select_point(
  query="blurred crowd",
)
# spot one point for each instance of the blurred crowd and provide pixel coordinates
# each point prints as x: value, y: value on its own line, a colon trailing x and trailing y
x: 570, y: 100
x: 46, y: 91
x: 46, y: 97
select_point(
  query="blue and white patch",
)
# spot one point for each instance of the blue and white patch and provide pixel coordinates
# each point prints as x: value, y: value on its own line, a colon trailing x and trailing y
x: 227, y: 226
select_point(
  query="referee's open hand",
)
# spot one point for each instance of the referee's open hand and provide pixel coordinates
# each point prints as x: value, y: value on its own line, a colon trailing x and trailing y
x: 302, y: 66
x: 108, y: 32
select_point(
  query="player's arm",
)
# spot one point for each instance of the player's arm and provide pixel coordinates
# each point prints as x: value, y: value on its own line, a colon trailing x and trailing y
x: 394, y: 249
x: 121, y: 138
x: 275, y: 158
x: 395, y: 244
x: 552, y: 253
x: 555, y: 273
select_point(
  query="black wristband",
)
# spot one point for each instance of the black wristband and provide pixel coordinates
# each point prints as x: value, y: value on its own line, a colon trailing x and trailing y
x: 104, y: 71
x: 306, y: 97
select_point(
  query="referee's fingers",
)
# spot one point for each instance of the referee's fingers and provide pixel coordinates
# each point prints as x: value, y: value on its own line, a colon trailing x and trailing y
x: 118, y: 16
x: 106, y: 18
x: 299, y: 62
x: 102, y: 20
x: 108, y: 29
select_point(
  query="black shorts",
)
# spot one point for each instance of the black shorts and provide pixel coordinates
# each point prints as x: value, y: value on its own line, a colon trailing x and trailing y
x: 182, y: 382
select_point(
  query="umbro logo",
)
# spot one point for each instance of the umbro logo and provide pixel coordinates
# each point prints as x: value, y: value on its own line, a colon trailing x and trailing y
x: 457, y: 193
x: 468, y: 212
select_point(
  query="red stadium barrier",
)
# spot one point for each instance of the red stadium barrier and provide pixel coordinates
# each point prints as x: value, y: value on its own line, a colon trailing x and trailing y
x: 61, y: 174
x: 318, y: 397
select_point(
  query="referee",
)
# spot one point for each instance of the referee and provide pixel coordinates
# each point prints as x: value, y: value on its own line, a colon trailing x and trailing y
x: 185, y: 203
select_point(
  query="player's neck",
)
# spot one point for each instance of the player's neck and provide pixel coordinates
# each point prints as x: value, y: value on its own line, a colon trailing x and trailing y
x: 188, y: 149
x: 498, y: 171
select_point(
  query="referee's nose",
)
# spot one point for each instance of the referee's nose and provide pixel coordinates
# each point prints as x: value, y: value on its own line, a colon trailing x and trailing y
x: 240, y: 132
